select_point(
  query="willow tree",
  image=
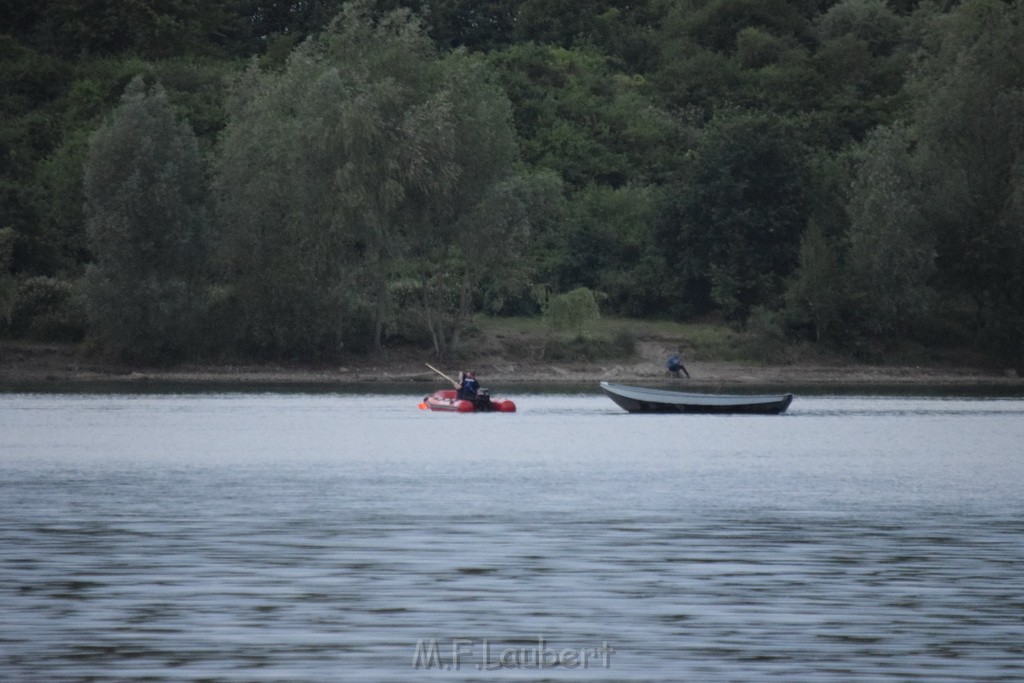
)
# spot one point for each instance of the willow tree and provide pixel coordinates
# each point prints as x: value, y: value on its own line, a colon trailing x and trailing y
x: 146, y: 224
x: 470, y: 212
x: 331, y: 170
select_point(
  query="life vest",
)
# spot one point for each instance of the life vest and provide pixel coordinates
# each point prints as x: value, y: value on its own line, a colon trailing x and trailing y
x: 469, y: 388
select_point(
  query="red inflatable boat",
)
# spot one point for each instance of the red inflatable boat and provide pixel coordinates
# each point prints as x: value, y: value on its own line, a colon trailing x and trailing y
x: 445, y: 401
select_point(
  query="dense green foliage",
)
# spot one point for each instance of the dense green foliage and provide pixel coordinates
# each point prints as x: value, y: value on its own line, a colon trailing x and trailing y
x: 147, y: 228
x: 299, y: 179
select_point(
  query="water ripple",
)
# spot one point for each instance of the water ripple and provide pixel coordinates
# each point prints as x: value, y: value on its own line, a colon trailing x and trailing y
x: 812, y: 547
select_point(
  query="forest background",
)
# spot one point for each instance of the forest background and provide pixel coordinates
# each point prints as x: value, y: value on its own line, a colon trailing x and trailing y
x: 258, y: 179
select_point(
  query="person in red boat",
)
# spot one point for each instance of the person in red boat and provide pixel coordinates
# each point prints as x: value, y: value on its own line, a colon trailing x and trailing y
x: 469, y: 387
x: 469, y: 396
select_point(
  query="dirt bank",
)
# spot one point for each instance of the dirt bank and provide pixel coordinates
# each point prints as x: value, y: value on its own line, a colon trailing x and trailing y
x: 26, y: 366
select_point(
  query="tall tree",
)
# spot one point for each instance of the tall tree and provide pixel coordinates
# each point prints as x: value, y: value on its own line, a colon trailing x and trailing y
x: 469, y: 212
x: 968, y: 94
x: 733, y: 235
x: 146, y: 224
x: 607, y: 245
x: 892, y: 253
x: 366, y: 154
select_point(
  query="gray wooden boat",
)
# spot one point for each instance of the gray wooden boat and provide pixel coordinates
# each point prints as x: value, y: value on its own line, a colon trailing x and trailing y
x: 644, y: 400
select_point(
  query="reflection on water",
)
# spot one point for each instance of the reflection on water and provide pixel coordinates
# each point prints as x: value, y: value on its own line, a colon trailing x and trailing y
x: 329, y: 537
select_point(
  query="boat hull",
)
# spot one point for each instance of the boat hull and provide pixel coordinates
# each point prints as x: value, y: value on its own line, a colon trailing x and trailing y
x: 644, y: 400
x: 446, y: 401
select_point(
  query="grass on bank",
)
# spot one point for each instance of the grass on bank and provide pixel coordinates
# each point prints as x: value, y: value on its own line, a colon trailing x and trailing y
x: 622, y: 340
x: 612, y: 338
x: 608, y: 338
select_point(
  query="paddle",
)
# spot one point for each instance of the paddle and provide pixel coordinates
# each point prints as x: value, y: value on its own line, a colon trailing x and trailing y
x: 454, y: 383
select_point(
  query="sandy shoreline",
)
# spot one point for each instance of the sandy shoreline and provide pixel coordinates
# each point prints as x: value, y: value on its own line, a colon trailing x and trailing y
x: 42, y: 367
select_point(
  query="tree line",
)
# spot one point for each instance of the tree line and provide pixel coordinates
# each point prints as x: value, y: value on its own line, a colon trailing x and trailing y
x: 247, y: 178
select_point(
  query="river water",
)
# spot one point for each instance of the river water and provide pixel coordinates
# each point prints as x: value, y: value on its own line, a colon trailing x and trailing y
x: 339, y: 537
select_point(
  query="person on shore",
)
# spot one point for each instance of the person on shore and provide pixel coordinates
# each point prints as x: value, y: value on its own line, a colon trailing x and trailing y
x: 675, y: 365
x: 468, y: 386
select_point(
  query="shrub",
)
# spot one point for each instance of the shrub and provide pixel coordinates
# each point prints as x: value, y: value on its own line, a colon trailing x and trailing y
x: 572, y: 311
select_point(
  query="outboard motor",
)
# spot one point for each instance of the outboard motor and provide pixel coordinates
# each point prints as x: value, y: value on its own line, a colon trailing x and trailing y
x: 483, y: 399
